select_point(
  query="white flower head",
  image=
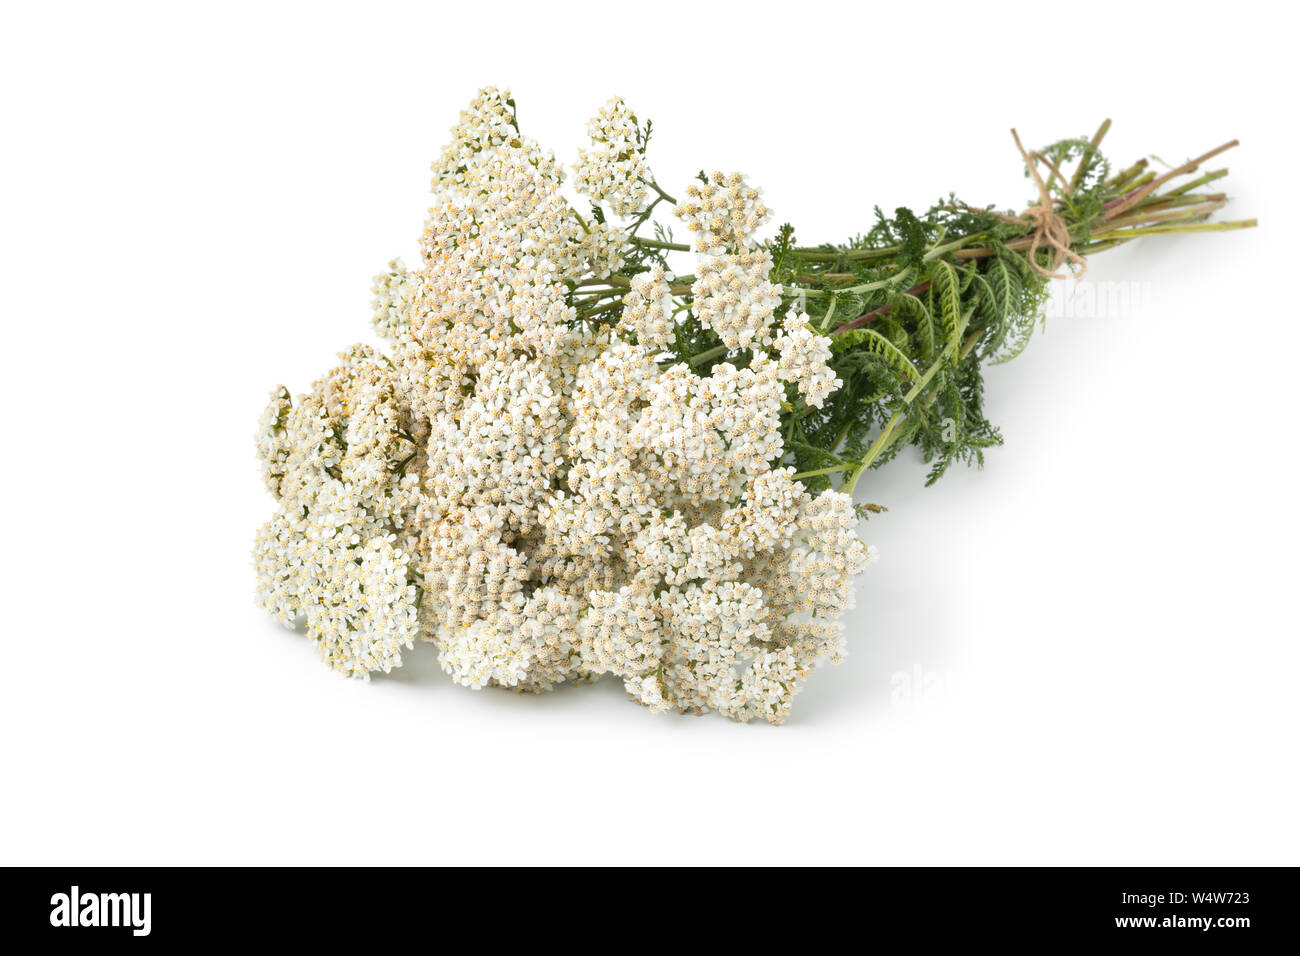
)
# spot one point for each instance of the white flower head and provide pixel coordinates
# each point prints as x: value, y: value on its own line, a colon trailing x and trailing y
x: 613, y: 171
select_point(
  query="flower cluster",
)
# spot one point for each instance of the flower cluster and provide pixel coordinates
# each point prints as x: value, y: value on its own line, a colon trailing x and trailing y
x: 723, y: 212
x: 804, y: 355
x: 734, y: 297
x: 648, y: 308
x: 613, y: 170
x: 338, y: 547
x: 536, y: 485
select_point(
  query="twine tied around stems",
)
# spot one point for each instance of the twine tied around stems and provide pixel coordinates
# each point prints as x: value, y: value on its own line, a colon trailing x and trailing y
x: 1049, y: 228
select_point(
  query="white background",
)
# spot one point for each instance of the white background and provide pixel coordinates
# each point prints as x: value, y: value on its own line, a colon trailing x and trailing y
x: 1085, y: 653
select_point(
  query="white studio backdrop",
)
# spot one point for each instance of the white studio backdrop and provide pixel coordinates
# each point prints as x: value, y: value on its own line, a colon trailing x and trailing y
x: 1085, y: 653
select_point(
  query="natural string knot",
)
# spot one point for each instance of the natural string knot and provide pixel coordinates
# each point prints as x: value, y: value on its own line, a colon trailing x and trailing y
x: 1050, y: 229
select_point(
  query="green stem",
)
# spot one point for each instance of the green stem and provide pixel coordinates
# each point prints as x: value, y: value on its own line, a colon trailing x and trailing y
x: 1198, y: 182
x: 709, y: 354
x: 658, y: 244
x: 1190, y: 227
x: 657, y: 188
x: 953, y: 246
x: 820, y: 471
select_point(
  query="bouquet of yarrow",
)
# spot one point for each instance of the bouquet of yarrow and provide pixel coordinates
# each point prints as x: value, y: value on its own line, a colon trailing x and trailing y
x: 575, y: 460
